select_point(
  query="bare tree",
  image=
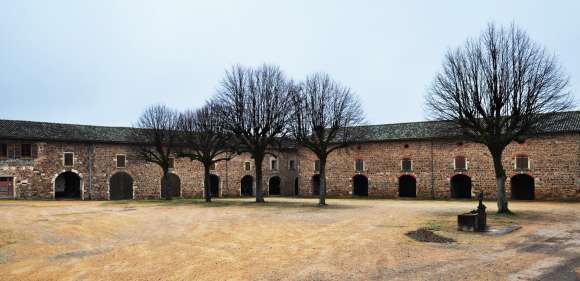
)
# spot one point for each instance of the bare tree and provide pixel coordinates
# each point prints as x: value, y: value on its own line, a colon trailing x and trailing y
x: 156, y: 133
x: 257, y: 104
x: 324, y: 115
x: 206, y: 138
x: 499, y: 88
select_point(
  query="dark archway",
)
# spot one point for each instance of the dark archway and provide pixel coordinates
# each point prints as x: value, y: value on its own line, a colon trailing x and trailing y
x: 67, y: 186
x: 296, y: 187
x: 360, y: 185
x: 174, y: 186
x: 214, y: 185
x: 407, y: 186
x: 121, y: 186
x: 523, y: 187
x: 247, y: 184
x: 274, y: 186
x: 316, y: 185
x: 460, y: 186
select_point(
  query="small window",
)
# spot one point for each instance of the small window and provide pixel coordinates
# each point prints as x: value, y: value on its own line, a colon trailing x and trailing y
x: 522, y: 163
x: 247, y: 166
x: 407, y: 165
x: 212, y: 167
x: 359, y: 165
x: 3, y: 150
x: 121, y: 161
x: 460, y: 163
x: 68, y: 159
x: 274, y: 165
x: 26, y: 150
x: 171, y: 162
x: 292, y: 165
x: 317, y: 165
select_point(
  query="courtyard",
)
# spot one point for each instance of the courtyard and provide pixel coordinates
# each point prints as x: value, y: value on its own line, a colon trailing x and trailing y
x: 284, y: 239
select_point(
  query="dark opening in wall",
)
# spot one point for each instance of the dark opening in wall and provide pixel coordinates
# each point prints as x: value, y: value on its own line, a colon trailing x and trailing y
x: 214, y: 185
x: 360, y: 185
x: 316, y: 185
x: 522, y: 187
x: 460, y: 186
x: 274, y: 186
x: 407, y: 186
x: 67, y: 186
x: 247, y: 184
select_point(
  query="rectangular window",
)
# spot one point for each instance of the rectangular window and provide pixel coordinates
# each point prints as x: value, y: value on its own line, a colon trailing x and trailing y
x: 121, y: 161
x: 3, y: 150
x: 522, y: 163
x: 68, y: 159
x: 247, y: 166
x: 292, y: 165
x: 274, y: 165
x: 359, y: 165
x: 460, y: 163
x: 212, y: 167
x: 317, y: 165
x: 407, y: 165
x: 26, y: 150
x: 171, y: 162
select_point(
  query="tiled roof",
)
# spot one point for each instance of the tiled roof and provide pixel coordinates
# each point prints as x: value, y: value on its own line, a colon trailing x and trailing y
x: 557, y: 123
x: 27, y: 130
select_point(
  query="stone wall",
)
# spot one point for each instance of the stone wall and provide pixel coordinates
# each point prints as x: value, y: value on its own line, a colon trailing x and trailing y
x: 554, y: 166
x: 554, y: 162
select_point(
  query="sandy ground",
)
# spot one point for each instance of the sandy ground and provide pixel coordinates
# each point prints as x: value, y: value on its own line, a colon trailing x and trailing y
x: 285, y: 239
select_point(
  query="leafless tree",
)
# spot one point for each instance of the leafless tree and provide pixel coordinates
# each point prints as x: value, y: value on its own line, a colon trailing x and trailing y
x: 156, y: 133
x: 324, y: 115
x: 499, y: 88
x: 257, y: 105
x: 206, y: 139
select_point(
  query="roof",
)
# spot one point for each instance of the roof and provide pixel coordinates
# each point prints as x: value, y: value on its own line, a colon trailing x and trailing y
x: 28, y: 130
x: 564, y: 122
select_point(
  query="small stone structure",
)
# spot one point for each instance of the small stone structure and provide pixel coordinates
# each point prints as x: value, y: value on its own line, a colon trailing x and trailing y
x: 475, y: 220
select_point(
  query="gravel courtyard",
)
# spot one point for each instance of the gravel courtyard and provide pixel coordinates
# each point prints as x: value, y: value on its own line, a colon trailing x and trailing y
x: 284, y: 239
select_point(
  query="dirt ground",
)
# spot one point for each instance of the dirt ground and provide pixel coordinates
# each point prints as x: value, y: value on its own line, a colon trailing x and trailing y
x: 284, y: 239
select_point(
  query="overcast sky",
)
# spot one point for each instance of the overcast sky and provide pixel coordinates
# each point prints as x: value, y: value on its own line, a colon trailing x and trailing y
x: 102, y: 62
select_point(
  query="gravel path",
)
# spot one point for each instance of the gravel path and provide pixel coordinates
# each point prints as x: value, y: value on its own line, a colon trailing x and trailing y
x: 284, y: 239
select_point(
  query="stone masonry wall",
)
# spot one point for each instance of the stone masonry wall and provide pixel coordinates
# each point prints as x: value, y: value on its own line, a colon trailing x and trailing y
x: 554, y: 162
x: 554, y: 165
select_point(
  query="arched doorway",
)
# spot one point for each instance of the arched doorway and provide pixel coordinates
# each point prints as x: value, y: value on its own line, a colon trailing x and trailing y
x: 121, y: 186
x: 407, y: 186
x: 247, y: 184
x: 296, y: 187
x: 214, y: 185
x: 316, y: 185
x: 460, y: 186
x: 523, y: 187
x: 174, y: 186
x: 360, y: 185
x: 67, y: 186
x: 274, y: 186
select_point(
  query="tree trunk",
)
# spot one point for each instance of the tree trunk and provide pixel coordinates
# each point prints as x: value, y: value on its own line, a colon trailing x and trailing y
x: 500, y: 176
x: 258, y: 164
x: 166, y: 185
x: 206, y: 183
x: 322, y: 175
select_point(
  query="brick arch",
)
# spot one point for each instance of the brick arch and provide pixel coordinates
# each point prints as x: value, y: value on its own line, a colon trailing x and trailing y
x: 77, y: 173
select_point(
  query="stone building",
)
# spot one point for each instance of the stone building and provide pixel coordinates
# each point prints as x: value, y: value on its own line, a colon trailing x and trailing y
x: 421, y: 159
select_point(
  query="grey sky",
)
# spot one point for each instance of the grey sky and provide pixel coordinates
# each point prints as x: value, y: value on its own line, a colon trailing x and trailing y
x: 102, y: 62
